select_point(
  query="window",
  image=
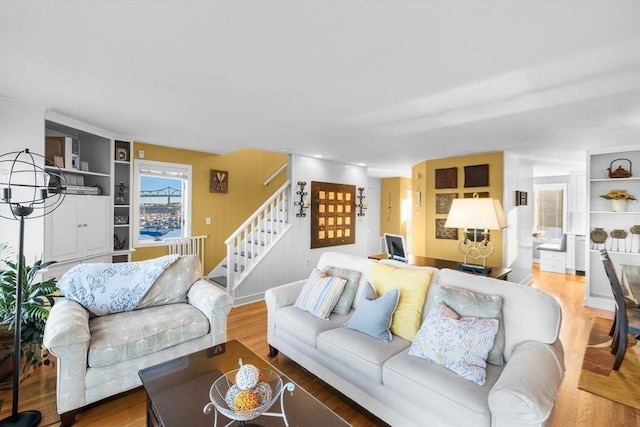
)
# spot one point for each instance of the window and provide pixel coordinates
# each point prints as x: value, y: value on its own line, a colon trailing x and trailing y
x: 162, y: 203
x: 549, y: 210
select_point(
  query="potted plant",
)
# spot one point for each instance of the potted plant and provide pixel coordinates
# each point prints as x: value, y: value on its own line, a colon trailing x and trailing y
x: 36, y: 295
x: 618, y: 199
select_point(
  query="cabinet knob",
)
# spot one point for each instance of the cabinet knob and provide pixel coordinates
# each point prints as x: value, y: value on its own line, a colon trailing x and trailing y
x: 84, y: 225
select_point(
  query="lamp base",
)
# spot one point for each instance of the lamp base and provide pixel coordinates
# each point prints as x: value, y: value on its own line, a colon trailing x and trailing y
x: 475, y: 269
x: 22, y: 419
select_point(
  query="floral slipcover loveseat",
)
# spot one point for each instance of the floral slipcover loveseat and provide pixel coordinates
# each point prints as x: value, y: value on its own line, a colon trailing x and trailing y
x: 417, y: 346
x: 116, y: 319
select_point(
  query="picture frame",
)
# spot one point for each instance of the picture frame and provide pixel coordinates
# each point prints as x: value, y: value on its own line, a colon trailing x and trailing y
x: 446, y: 178
x: 445, y: 233
x: 84, y: 166
x: 219, y: 181
x: 443, y: 202
x: 332, y: 214
x: 58, y: 161
x: 476, y: 176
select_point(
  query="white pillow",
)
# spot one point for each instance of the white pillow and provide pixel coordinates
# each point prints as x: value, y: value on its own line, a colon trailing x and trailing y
x: 320, y: 294
x: 460, y: 344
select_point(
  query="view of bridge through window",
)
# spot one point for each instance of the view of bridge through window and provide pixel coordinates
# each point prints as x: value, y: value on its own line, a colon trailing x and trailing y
x: 161, y: 208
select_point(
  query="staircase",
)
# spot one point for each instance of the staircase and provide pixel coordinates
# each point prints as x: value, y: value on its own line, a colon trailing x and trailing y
x: 252, y: 241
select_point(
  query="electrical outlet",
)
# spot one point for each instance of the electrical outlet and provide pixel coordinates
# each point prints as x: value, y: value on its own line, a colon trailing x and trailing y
x: 208, y: 220
x: 141, y: 154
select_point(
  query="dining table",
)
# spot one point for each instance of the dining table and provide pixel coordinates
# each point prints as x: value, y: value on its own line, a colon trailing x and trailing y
x: 631, y: 281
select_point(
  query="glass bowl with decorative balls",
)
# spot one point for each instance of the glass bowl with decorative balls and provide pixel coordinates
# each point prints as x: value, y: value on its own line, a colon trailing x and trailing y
x: 246, y: 393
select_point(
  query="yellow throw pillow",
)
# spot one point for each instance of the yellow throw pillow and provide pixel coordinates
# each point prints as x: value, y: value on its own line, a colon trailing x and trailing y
x: 413, y: 284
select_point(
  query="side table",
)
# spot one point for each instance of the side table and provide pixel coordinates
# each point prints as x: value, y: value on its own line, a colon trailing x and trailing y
x: 499, y: 273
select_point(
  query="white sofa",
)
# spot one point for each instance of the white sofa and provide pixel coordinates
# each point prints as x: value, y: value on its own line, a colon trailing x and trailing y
x: 100, y: 356
x: 404, y: 390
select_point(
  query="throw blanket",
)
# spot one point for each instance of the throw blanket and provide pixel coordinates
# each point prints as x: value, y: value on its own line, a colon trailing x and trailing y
x: 112, y: 288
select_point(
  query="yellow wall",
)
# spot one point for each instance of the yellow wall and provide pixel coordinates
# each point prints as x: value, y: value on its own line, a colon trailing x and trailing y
x: 393, y: 192
x: 423, y: 227
x: 248, y: 169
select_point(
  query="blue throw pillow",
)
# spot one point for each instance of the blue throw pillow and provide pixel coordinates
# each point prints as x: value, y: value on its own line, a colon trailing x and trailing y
x: 373, y: 316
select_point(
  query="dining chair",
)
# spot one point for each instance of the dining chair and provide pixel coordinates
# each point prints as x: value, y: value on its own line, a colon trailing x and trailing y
x: 626, y: 317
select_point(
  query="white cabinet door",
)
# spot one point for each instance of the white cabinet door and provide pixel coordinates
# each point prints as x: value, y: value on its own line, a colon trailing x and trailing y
x: 62, y: 231
x: 79, y: 228
x: 96, y: 223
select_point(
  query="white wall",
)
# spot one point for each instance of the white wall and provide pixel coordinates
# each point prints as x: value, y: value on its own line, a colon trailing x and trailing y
x: 373, y: 215
x: 21, y: 127
x: 517, y: 239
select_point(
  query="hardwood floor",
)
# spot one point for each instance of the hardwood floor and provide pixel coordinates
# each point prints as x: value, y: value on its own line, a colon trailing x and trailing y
x: 247, y: 324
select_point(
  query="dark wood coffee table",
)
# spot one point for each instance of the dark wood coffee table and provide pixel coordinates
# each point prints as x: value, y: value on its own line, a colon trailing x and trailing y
x: 178, y: 390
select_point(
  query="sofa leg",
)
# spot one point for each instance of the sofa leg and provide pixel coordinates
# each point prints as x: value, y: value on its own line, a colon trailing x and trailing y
x: 273, y: 352
x: 68, y: 418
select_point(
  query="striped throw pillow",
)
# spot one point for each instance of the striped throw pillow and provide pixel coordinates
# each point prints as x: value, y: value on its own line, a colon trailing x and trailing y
x: 320, y: 294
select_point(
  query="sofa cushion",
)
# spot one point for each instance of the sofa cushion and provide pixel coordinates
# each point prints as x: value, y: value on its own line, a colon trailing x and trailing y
x: 373, y: 315
x: 460, y: 344
x: 352, y: 262
x: 473, y: 304
x: 440, y: 390
x: 320, y: 294
x: 359, y: 352
x: 348, y: 294
x: 303, y: 325
x: 125, y: 336
x: 174, y: 283
x: 522, y: 307
x: 413, y: 285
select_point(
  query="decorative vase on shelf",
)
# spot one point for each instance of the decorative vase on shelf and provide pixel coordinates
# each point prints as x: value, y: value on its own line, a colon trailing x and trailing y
x: 598, y: 236
x: 618, y: 205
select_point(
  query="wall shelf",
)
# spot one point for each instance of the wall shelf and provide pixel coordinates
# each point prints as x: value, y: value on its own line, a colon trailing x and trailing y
x: 621, y: 251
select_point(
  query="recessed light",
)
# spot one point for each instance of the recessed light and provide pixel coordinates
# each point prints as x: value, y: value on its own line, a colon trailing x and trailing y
x: 362, y: 164
x: 317, y: 156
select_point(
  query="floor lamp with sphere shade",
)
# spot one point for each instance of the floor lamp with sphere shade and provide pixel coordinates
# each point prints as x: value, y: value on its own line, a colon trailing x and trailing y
x: 31, y: 186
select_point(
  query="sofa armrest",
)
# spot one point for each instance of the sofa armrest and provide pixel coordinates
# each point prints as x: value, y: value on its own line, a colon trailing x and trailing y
x: 524, y: 394
x: 278, y: 297
x: 283, y: 295
x: 68, y: 324
x: 66, y: 336
x: 213, y: 303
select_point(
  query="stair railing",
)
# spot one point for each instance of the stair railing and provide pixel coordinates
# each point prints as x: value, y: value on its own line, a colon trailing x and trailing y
x: 256, y: 236
x: 193, y: 245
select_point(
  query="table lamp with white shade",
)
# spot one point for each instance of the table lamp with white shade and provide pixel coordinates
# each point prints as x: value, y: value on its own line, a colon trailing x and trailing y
x: 475, y: 214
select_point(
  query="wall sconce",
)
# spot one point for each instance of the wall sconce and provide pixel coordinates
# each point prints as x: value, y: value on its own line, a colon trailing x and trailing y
x: 302, y: 203
x: 360, y: 205
x: 521, y: 198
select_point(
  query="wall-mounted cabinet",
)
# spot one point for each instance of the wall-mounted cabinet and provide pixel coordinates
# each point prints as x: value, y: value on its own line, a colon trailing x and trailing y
x: 616, y: 231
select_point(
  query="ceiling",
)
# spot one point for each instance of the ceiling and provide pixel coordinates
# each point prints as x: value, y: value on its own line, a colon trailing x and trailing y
x: 384, y: 83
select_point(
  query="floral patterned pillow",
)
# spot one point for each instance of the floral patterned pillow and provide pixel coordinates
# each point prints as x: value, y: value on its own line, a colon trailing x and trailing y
x: 460, y: 344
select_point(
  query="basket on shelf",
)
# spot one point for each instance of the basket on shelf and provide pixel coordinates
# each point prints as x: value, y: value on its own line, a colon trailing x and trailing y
x: 619, y: 172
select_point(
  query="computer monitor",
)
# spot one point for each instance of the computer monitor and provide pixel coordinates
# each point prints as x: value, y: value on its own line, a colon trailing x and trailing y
x: 396, y: 247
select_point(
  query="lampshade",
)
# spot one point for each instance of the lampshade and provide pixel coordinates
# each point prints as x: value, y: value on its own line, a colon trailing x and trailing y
x: 476, y: 213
